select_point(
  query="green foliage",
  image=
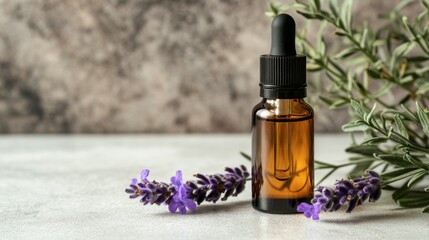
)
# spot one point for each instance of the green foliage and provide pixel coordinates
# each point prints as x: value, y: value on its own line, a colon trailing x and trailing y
x: 374, y: 66
x: 246, y: 156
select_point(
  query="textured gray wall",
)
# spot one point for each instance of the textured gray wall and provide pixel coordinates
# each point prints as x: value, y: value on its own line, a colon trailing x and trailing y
x: 135, y: 66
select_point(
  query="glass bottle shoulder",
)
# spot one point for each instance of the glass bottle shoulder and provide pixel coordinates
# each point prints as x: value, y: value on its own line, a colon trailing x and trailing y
x: 283, y: 109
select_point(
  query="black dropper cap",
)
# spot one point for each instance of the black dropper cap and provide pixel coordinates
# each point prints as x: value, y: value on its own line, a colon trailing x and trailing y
x: 283, y: 72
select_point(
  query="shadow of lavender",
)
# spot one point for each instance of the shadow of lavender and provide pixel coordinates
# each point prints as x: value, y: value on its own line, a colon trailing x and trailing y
x: 373, y: 217
x: 220, y: 207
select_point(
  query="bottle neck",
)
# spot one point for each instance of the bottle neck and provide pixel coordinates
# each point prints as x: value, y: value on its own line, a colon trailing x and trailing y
x: 278, y: 92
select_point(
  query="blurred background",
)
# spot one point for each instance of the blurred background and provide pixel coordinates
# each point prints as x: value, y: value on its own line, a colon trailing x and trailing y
x: 141, y: 66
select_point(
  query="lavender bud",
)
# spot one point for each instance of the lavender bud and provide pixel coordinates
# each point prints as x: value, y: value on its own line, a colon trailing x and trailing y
x: 373, y: 174
x: 238, y: 171
x: 352, y: 204
x: 322, y: 200
x: 327, y: 192
x: 351, y: 192
x: 348, y: 184
x: 202, y: 177
x: 375, y: 195
x: 342, y: 200
x: 374, y: 181
x: 213, y: 181
x: 367, y: 189
x: 227, y: 194
x: 342, y: 189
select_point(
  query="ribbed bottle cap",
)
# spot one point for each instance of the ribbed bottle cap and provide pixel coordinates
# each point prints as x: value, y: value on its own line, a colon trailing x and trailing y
x: 283, y: 72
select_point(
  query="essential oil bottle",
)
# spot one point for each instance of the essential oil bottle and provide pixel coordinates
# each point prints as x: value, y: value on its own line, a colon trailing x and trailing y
x: 282, y: 127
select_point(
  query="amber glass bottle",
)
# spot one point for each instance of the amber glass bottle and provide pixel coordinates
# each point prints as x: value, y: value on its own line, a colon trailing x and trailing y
x: 282, y: 127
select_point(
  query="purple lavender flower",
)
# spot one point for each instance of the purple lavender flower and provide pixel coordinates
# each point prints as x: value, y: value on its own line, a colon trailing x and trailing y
x: 180, y: 199
x: 143, y: 176
x: 355, y: 191
x: 182, y: 196
x: 310, y: 210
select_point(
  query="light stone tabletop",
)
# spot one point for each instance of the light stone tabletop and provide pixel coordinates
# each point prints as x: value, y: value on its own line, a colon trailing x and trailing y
x: 72, y: 187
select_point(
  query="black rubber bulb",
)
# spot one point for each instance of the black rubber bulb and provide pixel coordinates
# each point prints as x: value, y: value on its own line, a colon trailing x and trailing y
x: 283, y: 36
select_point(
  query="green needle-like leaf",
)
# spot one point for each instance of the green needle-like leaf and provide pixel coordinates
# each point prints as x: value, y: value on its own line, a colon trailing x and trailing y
x: 322, y: 165
x: 425, y: 209
x: 416, y: 162
x: 361, y: 110
x: 367, y: 150
x: 399, y: 174
x: 424, y: 119
x: 401, y: 126
x: 355, y: 126
x: 404, y: 49
x: 375, y: 140
x: 416, y: 178
x: 346, y: 53
x: 326, y: 176
x: 414, y: 202
x: 246, y: 156
x: 393, y: 159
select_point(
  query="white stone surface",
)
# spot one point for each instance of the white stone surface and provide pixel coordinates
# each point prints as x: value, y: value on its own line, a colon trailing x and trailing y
x: 72, y: 187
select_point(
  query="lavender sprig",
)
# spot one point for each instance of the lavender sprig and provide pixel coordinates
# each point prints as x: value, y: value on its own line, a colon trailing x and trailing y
x: 354, y: 191
x: 182, y: 196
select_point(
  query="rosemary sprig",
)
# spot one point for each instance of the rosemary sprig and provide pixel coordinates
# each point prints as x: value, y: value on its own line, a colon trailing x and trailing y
x: 374, y: 65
